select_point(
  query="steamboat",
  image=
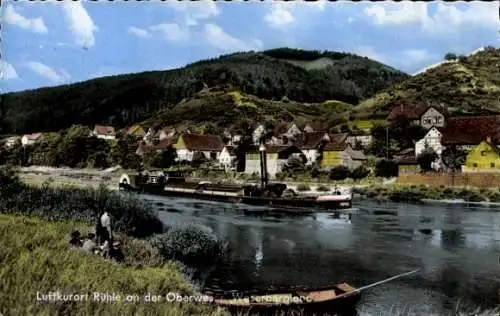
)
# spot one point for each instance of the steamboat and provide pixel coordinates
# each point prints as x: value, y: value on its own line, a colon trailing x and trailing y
x: 274, y: 195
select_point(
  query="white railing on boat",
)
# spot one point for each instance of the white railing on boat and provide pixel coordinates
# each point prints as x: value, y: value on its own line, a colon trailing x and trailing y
x: 208, y: 192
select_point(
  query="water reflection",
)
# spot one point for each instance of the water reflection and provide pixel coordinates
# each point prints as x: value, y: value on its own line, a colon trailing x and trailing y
x: 456, y: 249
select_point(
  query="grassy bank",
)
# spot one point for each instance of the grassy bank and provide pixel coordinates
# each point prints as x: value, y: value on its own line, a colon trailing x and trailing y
x: 415, y: 193
x: 35, y: 258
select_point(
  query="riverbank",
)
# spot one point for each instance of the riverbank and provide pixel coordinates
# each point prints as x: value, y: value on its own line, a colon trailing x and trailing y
x: 36, y: 260
x: 422, y: 193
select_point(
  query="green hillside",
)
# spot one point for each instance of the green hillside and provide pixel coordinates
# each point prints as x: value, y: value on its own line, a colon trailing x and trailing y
x: 302, y: 76
x: 468, y: 85
x: 213, y: 110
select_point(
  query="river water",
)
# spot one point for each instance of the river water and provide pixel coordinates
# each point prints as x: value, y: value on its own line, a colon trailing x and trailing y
x: 456, y: 248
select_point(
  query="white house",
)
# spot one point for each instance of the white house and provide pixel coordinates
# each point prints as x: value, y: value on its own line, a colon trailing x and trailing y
x: 257, y: 133
x: 165, y: 133
x: 364, y: 140
x: 188, y: 144
x: 227, y: 157
x: 30, y: 139
x: 104, y: 132
x: 310, y: 143
x: 431, y: 140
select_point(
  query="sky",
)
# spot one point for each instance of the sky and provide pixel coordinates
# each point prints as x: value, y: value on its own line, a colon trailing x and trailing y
x: 59, y: 42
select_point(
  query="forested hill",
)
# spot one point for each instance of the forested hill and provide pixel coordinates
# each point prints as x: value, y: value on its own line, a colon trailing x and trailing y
x: 302, y: 76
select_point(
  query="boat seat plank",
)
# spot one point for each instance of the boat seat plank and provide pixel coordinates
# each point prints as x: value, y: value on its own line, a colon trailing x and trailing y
x: 346, y: 287
x: 319, y: 296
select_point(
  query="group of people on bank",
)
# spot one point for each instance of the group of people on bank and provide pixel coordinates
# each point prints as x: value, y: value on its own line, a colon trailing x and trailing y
x: 101, y: 242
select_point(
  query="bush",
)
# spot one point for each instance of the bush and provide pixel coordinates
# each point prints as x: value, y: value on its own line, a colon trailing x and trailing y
x: 386, y: 168
x: 131, y: 216
x: 360, y: 172
x: 322, y: 188
x: 303, y: 187
x: 191, y: 245
x: 9, y: 181
x: 450, y: 56
x: 339, y: 173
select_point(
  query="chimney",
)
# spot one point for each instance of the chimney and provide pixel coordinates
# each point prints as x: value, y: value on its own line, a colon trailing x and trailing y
x: 488, y: 139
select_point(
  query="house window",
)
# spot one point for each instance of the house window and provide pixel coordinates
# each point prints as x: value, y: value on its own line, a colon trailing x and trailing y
x: 492, y: 165
x: 439, y: 119
x: 427, y: 121
x: 474, y: 165
x: 483, y: 153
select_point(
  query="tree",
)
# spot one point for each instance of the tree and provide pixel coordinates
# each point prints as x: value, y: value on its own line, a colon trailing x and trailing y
x: 198, y: 158
x: 453, y: 158
x: 426, y: 158
x: 339, y: 173
x: 450, y: 56
x: 360, y: 172
x: 161, y: 159
x: 386, y: 168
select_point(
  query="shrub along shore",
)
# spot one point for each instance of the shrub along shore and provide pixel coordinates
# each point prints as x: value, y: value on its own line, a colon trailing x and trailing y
x: 36, y: 259
x: 420, y: 193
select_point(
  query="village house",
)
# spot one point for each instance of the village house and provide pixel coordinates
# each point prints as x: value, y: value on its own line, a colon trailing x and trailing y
x: 287, y: 130
x: 431, y: 140
x: 143, y: 149
x: 188, y: 144
x: 134, y: 130
x: 165, y: 133
x: 364, y: 141
x: 257, y: 133
x: 466, y: 132
x: 104, y: 132
x: 484, y: 157
x: 338, y: 152
x: 406, y: 161
x: 425, y: 116
x: 276, y: 158
x: 311, y: 143
x: 30, y: 139
x: 227, y: 157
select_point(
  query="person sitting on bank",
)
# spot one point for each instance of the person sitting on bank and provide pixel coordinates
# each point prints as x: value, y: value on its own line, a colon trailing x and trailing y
x: 116, y: 253
x: 107, y: 234
x: 75, y: 240
x: 90, y: 245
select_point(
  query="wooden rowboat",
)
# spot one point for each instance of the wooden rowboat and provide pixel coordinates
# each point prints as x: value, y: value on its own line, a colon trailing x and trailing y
x: 339, y: 298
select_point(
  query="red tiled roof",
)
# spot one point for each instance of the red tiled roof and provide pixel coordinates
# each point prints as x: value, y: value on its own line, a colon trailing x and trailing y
x: 34, y: 136
x: 471, y: 130
x: 165, y: 143
x: 203, y: 142
x: 409, y: 111
x: 337, y: 143
x: 104, y: 130
x: 310, y: 140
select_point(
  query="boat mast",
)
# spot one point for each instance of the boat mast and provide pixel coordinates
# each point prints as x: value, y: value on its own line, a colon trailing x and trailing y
x: 263, y: 165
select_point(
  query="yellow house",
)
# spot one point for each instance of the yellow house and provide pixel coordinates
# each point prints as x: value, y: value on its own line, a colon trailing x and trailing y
x: 136, y: 130
x: 483, y: 157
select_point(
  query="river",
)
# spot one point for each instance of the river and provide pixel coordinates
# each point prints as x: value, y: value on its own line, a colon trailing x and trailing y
x: 456, y: 248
